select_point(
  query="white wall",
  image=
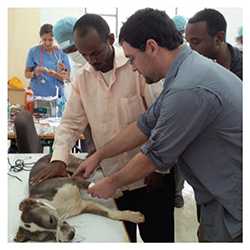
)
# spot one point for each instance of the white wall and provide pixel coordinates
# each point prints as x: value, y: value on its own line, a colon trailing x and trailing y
x: 23, y: 33
x: 234, y: 18
x: 51, y: 15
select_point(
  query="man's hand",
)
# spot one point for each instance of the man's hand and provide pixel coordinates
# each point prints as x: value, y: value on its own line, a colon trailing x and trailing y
x: 104, y: 188
x: 88, y: 166
x: 54, y: 169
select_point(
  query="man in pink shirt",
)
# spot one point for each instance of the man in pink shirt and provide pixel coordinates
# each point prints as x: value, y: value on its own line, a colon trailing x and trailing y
x: 108, y: 95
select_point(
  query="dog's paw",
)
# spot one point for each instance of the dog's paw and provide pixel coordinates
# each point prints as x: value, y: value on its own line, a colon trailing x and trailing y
x: 135, y: 217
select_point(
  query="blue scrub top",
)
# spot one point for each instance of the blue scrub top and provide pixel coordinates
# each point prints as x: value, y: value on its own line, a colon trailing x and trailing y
x: 45, y: 85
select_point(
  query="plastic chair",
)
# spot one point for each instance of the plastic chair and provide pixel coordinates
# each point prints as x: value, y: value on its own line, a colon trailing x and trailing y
x: 27, y: 139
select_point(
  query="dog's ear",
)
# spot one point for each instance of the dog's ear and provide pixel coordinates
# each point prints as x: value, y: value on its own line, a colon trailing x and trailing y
x: 22, y: 235
x: 27, y: 203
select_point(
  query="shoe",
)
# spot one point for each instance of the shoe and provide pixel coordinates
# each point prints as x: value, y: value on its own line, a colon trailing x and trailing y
x: 179, y: 201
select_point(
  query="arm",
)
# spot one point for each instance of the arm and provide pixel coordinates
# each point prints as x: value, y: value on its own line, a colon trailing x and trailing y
x: 32, y: 68
x: 177, y: 126
x: 72, y: 125
x: 38, y: 70
x: 136, y: 169
x: 126, y: 140
x: 61, y: 75
x: 30, y: 64
x: 63, y: 68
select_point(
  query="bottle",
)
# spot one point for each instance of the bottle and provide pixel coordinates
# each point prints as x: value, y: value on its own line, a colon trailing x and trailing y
x: 53, y: 108
x: 63, y: 102
x: 29, y: 104
x: 57, y: 111
x: 60, y: 106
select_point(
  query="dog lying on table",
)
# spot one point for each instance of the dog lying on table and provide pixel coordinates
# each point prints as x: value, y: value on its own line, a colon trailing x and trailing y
x: 50, y: 202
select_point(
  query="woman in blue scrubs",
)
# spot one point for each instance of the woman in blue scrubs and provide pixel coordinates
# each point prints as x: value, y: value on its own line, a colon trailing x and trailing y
x: 47, y: 66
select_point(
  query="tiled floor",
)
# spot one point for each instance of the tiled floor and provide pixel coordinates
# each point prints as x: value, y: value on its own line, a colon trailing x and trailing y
x: 185, y: 218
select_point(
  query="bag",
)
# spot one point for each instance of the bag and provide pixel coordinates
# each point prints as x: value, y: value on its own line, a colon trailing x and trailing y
x: 16, y: 83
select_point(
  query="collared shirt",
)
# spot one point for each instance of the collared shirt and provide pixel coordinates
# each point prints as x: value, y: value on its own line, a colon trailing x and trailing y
x: 197, y: 120
x: 236, y: 61
x: 107, y: 108
x: 45, y: 85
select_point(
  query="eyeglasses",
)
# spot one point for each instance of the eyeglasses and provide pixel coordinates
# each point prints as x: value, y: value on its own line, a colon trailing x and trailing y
x: 131, y: 58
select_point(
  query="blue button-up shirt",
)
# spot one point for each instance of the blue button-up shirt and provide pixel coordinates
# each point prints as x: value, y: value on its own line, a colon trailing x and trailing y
x: 197, y: 122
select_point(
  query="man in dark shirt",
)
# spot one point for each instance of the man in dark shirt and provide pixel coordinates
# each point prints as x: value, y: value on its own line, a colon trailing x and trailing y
x: 206, y: 33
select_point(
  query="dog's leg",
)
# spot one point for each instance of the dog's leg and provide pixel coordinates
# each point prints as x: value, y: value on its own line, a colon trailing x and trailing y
x: 126, y: 215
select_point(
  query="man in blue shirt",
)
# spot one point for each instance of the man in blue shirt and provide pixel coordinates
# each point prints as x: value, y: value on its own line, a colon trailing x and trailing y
x: 196, y: 121
x: 47, y: 66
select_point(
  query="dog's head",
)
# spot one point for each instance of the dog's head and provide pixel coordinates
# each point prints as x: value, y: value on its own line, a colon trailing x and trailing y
x: 40, y: 222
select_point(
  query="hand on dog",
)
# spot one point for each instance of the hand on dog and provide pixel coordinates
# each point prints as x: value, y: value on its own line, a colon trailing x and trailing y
x: 54, y: 169
x: 88, y: 166
x: 103, y: 188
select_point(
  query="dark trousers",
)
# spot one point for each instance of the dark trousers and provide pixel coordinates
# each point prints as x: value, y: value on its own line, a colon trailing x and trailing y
x: 198, y: 212
x: 157, y: 205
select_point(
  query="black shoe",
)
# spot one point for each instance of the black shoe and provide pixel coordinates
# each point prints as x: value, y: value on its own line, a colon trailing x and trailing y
x: 179, y: 201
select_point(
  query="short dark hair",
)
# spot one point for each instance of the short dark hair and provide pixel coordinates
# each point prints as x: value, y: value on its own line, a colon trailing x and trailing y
x: 147, y: 24
x: 92, y: 21
x: 45, y: 29
x: 215, y: 20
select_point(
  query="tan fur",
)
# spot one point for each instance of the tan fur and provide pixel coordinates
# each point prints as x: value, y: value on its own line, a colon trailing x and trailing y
x: 68, y: 201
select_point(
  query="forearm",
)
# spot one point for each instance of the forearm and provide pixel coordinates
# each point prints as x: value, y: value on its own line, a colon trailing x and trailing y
x: 72, y: 124
x: 126, y: 140
x: 137, y: 168
x: 67, y: 133
x: 63, y: 143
